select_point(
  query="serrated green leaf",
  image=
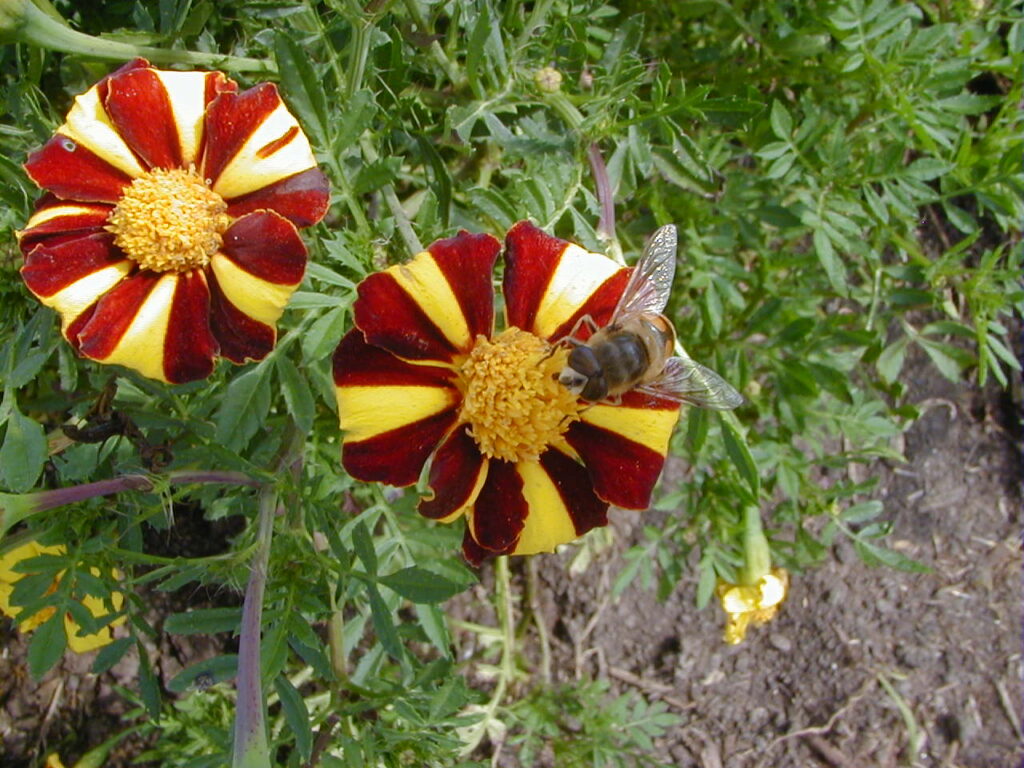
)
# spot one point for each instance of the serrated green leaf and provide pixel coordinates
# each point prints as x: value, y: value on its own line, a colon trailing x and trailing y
x: 303, y: 89
x: 243, y: 408
x: 875, y: 555
x: 781, y: 121
x: 383, y: 624
x: 47, y: 646
x: 297, y: 394
x: 420, y: 585
x: 23, y: 452
x: 830, y: 261
x: 203, y: 621
x: 296, y: 714
x: 739, y: 453
x: 363, y: 546
x: 109, y: 655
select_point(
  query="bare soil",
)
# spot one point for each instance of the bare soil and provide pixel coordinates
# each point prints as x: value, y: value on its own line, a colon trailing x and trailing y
x: 862, y: 662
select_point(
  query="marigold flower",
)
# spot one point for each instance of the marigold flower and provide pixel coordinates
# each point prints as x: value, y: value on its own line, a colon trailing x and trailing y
x: 751, y: 604
x: 168, y: 231
x: 78, y: 642
x: 424, y: 380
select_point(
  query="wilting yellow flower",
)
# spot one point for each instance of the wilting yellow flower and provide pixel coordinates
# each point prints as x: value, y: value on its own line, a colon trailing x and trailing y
x: 756, y: 604
x: 78, y: 642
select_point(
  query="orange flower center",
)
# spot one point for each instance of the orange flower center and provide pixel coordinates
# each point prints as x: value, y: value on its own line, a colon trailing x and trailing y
x: 512, y: 400
x: 169, y: 221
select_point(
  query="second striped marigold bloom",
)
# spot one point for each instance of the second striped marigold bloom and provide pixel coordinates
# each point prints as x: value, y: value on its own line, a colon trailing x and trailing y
x: 168, y: 233
x: 426, y: 380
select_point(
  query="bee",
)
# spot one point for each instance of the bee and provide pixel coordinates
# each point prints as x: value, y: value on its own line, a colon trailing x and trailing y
x: 636, y: 350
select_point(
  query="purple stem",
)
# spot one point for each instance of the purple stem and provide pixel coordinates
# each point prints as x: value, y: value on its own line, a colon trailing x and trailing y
x: 58, y: 497
x: 605, y: 195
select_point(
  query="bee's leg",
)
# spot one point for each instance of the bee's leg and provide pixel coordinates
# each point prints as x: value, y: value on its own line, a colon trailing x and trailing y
x: 613, y: 400
x: 586, y: 320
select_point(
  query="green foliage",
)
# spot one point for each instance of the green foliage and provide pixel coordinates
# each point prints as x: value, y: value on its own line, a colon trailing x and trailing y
x: 583, y: 725
x: 846, y: 180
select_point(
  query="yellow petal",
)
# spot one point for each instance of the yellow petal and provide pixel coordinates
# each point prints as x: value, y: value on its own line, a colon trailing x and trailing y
x: 366, y: 412
x: 89, y: 125
x: 579, y: 273
x: 257, y: 298
x: 142, y: 346
x: 187, y: 94
x: 548, y: 523
x: 249, y: 171
x: 423, y: 280
x: 647, y: 426
x: 73, y: 300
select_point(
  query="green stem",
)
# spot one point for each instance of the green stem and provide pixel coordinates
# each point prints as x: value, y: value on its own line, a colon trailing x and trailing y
x: 22, y: 22
x: 757, y: 555
x: 412, y: 242
x: 506, y: 669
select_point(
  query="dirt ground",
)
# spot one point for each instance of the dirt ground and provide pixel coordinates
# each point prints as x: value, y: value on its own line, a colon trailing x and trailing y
x: 860, y: 664
x: 810, y: 688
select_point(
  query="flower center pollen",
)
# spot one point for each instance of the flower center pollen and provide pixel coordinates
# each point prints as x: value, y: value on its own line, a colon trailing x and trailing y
x: 169, y: 221
x: 512, y: 400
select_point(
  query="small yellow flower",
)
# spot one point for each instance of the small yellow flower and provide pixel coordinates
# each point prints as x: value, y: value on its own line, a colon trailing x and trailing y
x: 756, y: 604
x: 53, y: 761
x: 78, y: 642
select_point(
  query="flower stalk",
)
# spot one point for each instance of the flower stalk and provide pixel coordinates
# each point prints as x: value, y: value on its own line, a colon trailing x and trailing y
x: 22, y: 21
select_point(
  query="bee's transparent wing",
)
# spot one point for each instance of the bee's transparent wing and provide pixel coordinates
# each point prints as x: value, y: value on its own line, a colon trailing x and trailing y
x: 649, y: 285
x: 688, y: 381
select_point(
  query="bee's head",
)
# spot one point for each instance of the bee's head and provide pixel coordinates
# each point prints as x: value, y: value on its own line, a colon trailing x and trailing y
x: 583, y: 375
x: 572, y: 380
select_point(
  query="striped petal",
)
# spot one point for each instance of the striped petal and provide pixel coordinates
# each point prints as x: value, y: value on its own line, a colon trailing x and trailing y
x: 302, y: 198
x: 457, y: 473
x: 55, y: 218
x: 252, y: 141
x: 532, y: 507
x: 75, y: 172
x: 434, y: 306
x: 257, y: 271
x: 550, y: 283
x: 500, y: 511
x: 155, y: 324
x: 624, y: 446
x: 394, y: 413
x: 70, y: 276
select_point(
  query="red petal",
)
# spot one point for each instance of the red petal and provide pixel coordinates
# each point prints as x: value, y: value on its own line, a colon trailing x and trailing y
x: 531, y: 259
x: 89, y: 220
x: 51, y: 267
x: 398, y: 456
x: 473, y: 552
x: 302, y: 198
x: 599, y: 306
x: 357, y: 363
x: 622, y: 472
x: 268, y: 246
x: 231, y: 119
x: 140, y: 109
x: 189, y: 347
x: 114, y: 314
x: 391, y: 319
x: 531, y: 256
x: 73, y: 172
x: 239, y: 336
x: 467, y: 262
x: 500, y: 509
x: 576, y: 489
x: 454, y: 472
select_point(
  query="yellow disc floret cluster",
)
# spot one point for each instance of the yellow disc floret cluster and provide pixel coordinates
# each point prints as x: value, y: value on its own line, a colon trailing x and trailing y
x: 169, y: 221
x: 512, y: 400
